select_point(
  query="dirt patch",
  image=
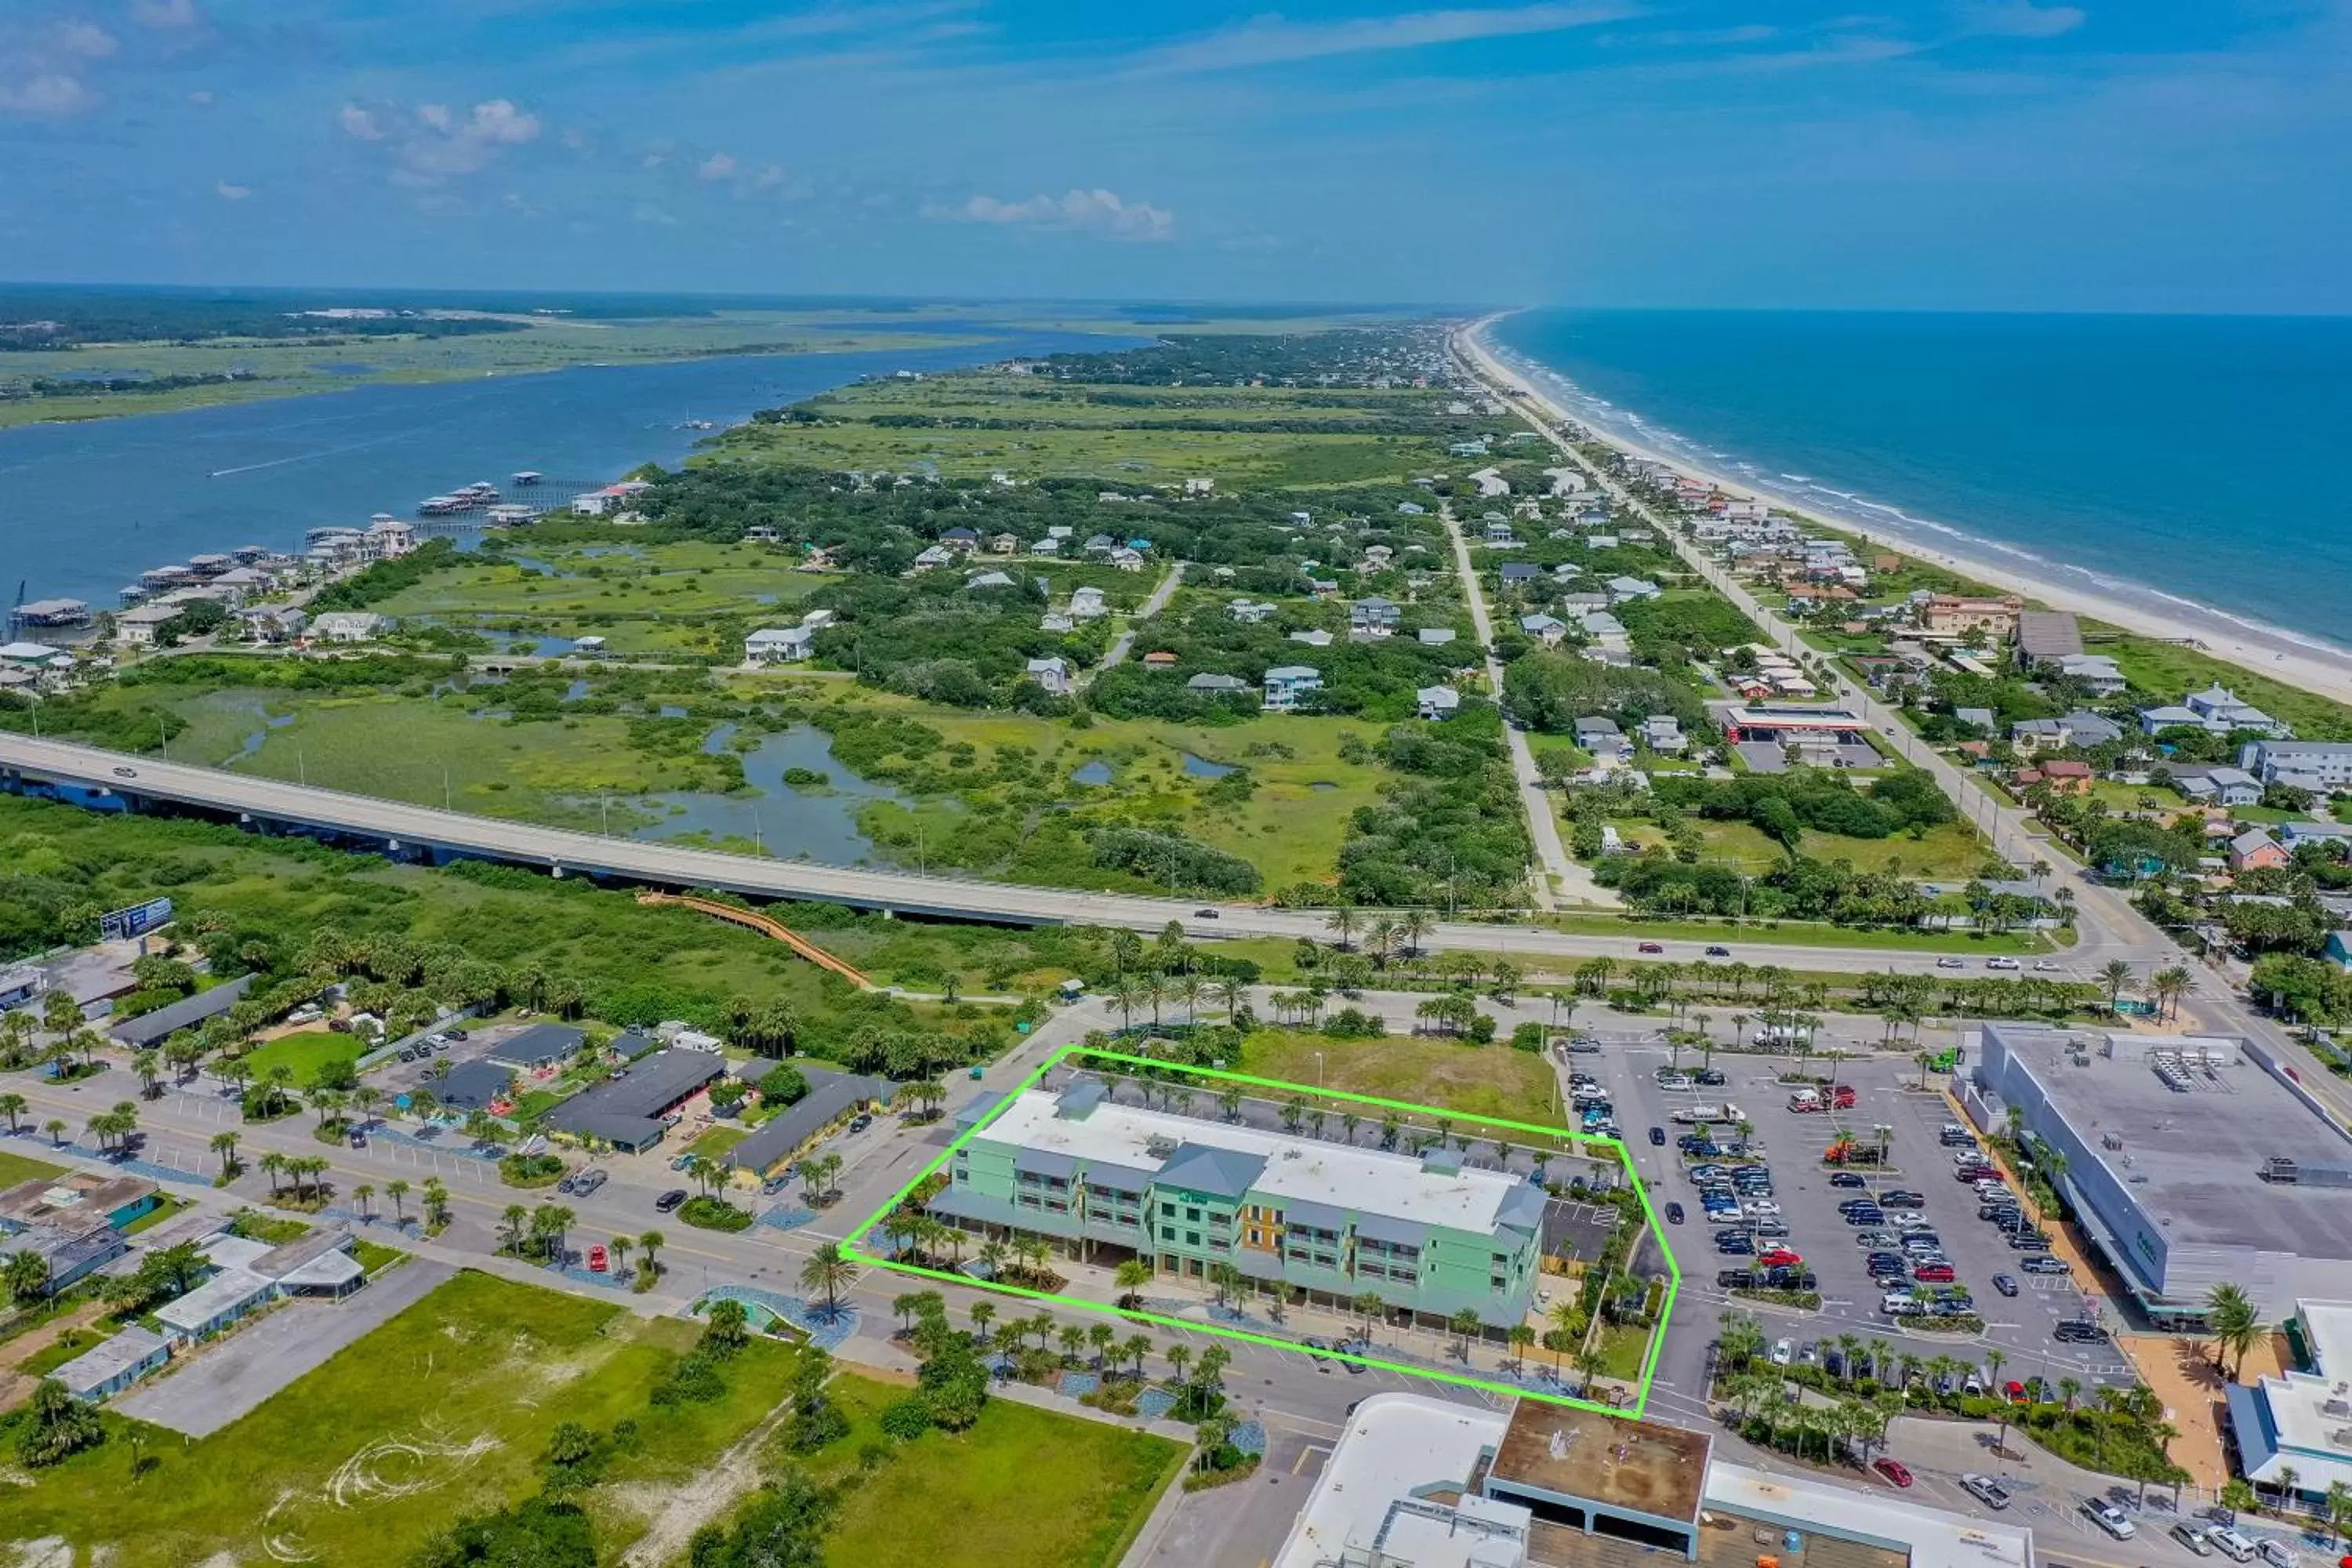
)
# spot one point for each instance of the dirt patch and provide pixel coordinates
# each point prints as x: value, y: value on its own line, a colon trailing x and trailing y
x: 2179, y: 1370
x: 677, y: 1511
x: 15, y: 1386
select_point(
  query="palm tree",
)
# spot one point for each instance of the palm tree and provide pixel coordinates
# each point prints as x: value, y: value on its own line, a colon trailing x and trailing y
x: 650, y: 1242
x: 2116, y: 975
x: 2230, y: 1312
x: 1521, y: 1337
x: 619, y: 1250
x: 1342, y: 922
x: 397, y: 1191
x: 829, y: 1273
x: 14, y: 1106
x: 360, y: 1195
x: 1131, y: 1277
x: 1178, y: 1356
x: 272, y: 1162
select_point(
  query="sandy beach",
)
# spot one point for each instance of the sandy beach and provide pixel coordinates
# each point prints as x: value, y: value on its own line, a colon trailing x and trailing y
x: 2279, y: 657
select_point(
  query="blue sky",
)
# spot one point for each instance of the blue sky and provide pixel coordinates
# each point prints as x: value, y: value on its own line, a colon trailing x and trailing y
x: 2110, y: 154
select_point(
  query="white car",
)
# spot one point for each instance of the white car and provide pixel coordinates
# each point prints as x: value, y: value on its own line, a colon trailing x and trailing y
x: 2230, y: 1544
x: 1763, y: 1206
x: 2109, y: 1517
x: 2275, y: 1552
x: 1986, y: 1490
x: 1784, y: 1352
x: 1898, y: 1304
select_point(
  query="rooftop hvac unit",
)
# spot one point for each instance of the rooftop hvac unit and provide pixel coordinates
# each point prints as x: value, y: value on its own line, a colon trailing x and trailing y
x: 2336, y: 1407
x: 2340, y: 1439
x: 2280, y: 1170
x: 2111, y: 1140
x: 1159, y: 1146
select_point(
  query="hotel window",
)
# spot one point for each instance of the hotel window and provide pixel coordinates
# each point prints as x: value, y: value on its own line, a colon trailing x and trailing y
x: 1256, y: 1240
x: 1167, y: 1233
x: 1192, y: 1238
x: 1193, y: 1215
x: 1169, y: 1209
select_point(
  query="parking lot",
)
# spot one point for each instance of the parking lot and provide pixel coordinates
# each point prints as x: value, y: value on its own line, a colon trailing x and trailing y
x: 1791, y: 1144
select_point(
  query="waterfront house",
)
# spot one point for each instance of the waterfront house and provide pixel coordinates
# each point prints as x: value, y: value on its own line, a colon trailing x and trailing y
x: 346, y: 626
x: 2322, y: 767
x: 779, y: 645
x: 2096, y: 670
x: 1956, y: 614
x: 2223, y: 713
x: 1288, y: 684
x: 137, y: 627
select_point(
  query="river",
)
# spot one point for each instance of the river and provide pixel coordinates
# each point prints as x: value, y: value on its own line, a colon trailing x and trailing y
x: 86, y: 505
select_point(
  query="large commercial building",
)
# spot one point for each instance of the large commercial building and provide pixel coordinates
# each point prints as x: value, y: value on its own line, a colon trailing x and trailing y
x: 1185, y: 1194
x: 2190, y: 1160
x: 1416, y: 1482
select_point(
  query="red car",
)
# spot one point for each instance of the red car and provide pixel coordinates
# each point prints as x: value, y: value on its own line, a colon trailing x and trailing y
x: 1779, y: 1258
x: 2014, y: 1391
x: 1651, y: 947
x: 596, y: 1260
x: 1934, y: 1274
x: 1895, y: 1470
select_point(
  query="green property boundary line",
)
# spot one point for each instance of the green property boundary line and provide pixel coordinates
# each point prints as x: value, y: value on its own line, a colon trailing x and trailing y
x: 852, y: 1248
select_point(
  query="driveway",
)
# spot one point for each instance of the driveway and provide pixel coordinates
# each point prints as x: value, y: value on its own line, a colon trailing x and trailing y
x: 220, y: 1383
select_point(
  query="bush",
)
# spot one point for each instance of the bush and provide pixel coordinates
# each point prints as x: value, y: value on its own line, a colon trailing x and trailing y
x: 783, y: 1085
x: 531, y: 1170
x: 714, y: 1213
x: 908, y: 1419
x: 695, y: 1380
x: 1527, y: 1036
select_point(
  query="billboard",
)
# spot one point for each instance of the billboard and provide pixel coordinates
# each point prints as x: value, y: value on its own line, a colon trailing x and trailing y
x: 121, y: 925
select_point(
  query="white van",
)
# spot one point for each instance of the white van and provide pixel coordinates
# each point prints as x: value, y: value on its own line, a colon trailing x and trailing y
x: 2230, y: 1544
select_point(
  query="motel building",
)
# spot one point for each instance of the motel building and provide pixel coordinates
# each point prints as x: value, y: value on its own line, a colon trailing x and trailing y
x: 1107, y: 1181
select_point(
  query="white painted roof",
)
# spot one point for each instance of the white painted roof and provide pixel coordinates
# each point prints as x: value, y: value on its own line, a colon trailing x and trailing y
x: 1367, y: 1181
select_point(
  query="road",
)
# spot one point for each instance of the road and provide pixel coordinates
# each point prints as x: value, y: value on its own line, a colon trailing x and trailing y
x: 1555, y: 872
x: 2107, y: 925
x: 1151, y: 606
x: 418, y: 831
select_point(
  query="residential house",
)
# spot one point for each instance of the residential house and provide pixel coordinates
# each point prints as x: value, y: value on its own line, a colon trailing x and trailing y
x: 1127, y: 558
x: 248, y: 1275
x: 1434, y: 637
x: 933, y: 556
x: 1622, y: 589
x: 2096, y: 670
x: 1250, y: 613
x: 1004, y: 544
x: 2223, y: 713
x: 1512, y: 573
x: 2031, y: 736
x: 1288, y: 684
x: 960, y: 539
x: 1546, y: 630
x: 114, y: 1363
x: 2209, y: 785
x: 2086, y: 729
x: 1160, y: 658
x: 1663, y: 734
x: 988, y: 580
x: 1437, y: 702
x: 137, y: 627
x: 2062, y: 776
x: 1601, y: 736
x: 1216, y: 685
x: 1054, y: 621
x: 1373, y: 617
x: 1086, y: 605
x: 2255, y: 848
x: 1052, y: 674
x: 1314, y: 636
x: 778, y: 645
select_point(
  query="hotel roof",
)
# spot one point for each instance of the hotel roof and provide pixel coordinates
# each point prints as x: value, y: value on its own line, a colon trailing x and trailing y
x: 1211, y: 1156
x: 1643, y: 1467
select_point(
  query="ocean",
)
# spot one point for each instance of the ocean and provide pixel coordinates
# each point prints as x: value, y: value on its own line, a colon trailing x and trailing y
x: 86, y: 505
x: 2180, y: 462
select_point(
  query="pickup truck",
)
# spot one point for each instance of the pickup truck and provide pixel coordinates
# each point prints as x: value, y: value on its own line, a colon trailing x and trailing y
x: 1699, y: 1115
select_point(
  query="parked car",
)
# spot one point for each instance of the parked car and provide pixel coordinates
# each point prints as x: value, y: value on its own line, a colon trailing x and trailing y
x: 597, y: 1260
x: 1895, y: 1470
x: 1986, y: 1490
x: 1781, y: 1257
x: 2193, y: 1537
x: 1734, y: 1279
x: 670, y: 1199
x: 2109, y: 1517
x: 2043, y: 1263
x: 587, y: 1182
x: 1784, y: 1352
x: 2275, y: 1552
x: 861, y: 1121
x: 2231, y: 1545
x: 1935, y: 1274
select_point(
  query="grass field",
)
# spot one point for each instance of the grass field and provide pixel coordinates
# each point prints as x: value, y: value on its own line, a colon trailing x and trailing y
x: 287, y: 368
x: 1450, y: 1074
x: 444, y: 1410
x: 1754, y: 939
x: 718, y: 1140
x: 2169, y: 671
x: 646, y: 601
x: 1023, y: 1488
x: 15, y: 1167
x: 305, y: 1054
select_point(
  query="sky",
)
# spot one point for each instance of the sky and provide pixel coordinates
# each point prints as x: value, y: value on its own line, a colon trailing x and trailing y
x: 2159, y: 155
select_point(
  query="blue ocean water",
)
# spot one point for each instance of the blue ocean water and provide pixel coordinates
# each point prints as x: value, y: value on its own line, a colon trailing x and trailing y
x: 86, y: 505
x: 2178, y: 461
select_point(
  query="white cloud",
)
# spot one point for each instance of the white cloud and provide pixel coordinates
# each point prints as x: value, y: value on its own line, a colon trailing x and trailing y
x: 201, y: 97
x: 432, y: 142
x: 229, y: 193
x: 1272, y: 40
x: 2019, y: 18
x: 86, y: 39
x: 1096, y: 211
x: 171, y: 14
x: 718, y: 166
x: 45, y: 94
x: 649, y: 213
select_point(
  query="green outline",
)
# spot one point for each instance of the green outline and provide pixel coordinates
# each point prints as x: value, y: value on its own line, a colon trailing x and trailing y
x: 1576, y: 1140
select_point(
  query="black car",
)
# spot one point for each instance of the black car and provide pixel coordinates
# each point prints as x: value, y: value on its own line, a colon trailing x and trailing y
x: 2074, y: 1331
x: 1712, y: 1078
x: 1739, y: 1246
x: 670, y: 1199
x: 1715, y: 950
x: 1204, y: 914
x: 1674, y: 1214
x: 1900, y: 1199
x: 1998, y: 1211
x: 1845, y: 1179
x: 1657, y: 1136
x: 457, y: 1034
x: 1734, y: 1279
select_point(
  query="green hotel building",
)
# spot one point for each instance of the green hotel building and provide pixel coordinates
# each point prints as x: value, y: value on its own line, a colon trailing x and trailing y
x: 1111, y: 1181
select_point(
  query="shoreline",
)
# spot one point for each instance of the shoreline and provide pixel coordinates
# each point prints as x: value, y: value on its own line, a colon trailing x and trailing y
x: 2275, y: 653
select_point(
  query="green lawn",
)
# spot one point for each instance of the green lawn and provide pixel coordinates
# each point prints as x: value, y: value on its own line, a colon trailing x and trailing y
x: 1023, y: 1489
x: 15, y: 1167
x: 450, y: 1403
x: 1420, y: 1070
x: 305, y: 1054
x: 716, y: 1141
x: 2168, y: 671
x: 166, y: 1207
x: 1755, y: 940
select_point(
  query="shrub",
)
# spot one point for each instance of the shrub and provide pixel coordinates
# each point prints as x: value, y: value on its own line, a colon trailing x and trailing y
x: 531, y: 1170
x: 908, y: 1419
x: 714, y: 1213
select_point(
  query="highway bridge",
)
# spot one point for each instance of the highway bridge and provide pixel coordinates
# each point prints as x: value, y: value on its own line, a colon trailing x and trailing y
x: 103, y: 780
